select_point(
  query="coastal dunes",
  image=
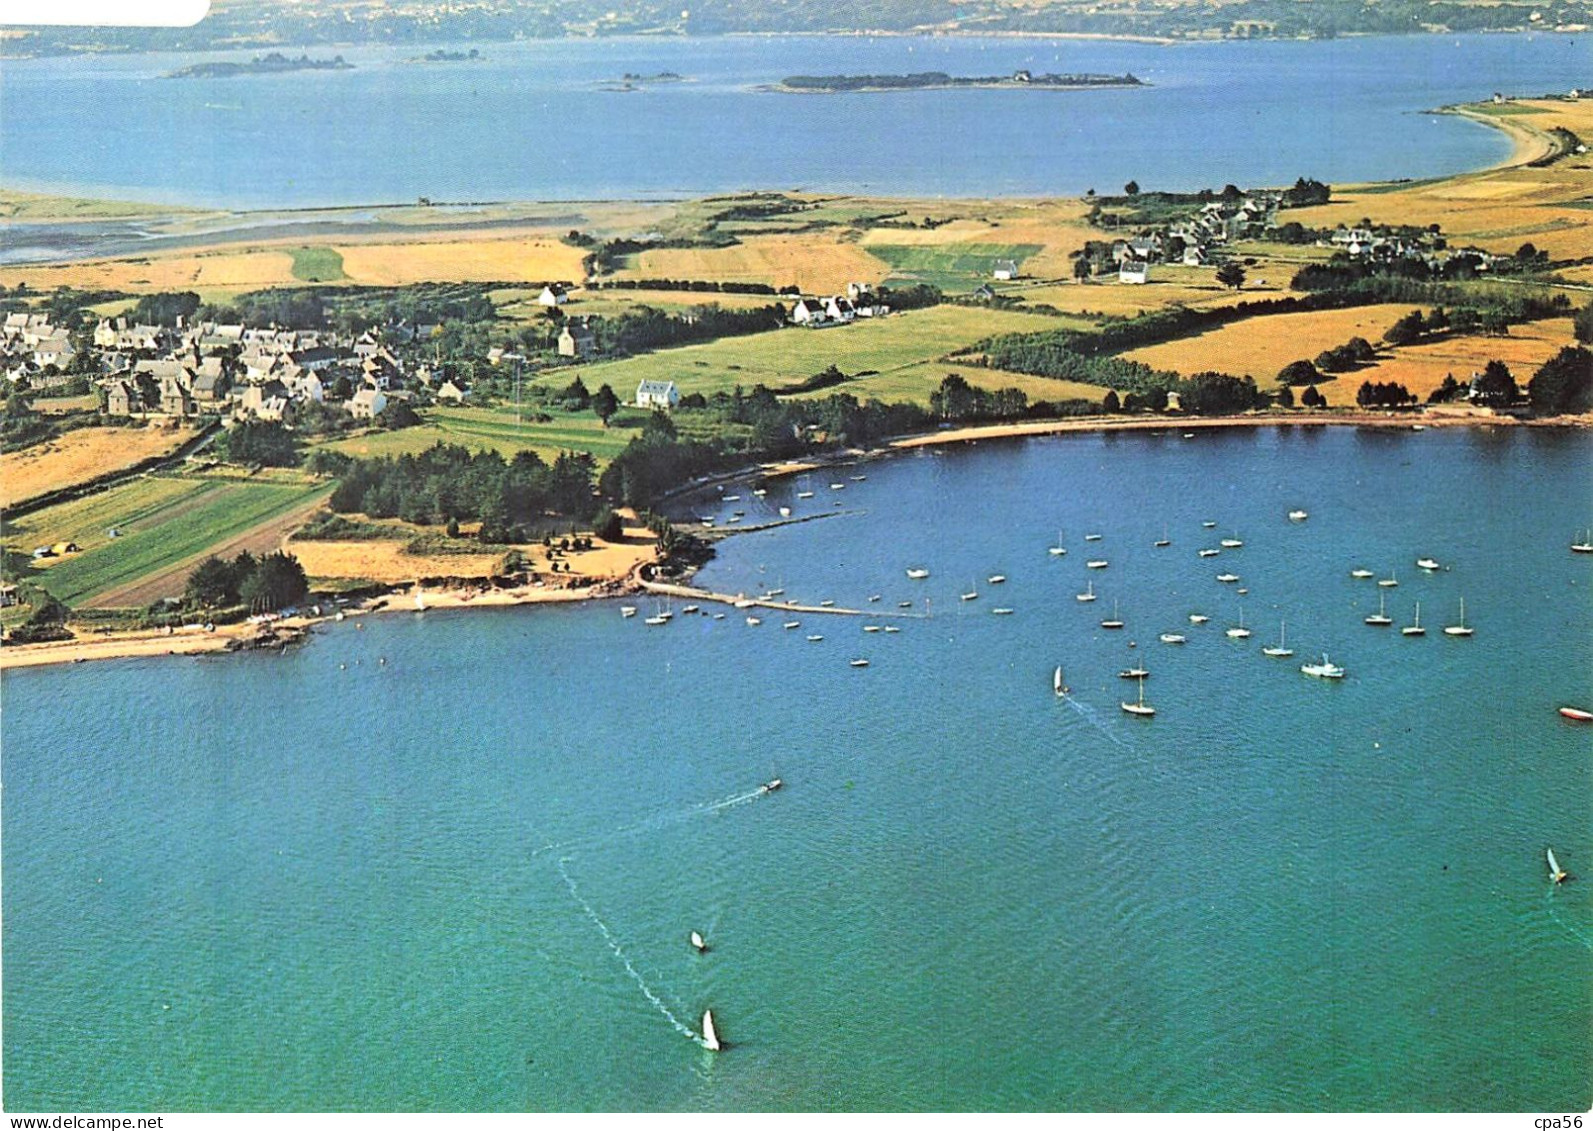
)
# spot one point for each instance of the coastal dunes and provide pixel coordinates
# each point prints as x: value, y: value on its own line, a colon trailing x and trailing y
x: 79, y: 456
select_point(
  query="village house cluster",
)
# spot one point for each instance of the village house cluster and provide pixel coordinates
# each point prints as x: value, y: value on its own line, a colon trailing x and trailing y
x: 838, y: 310
x: 219, y: 369
x: 31, y: 347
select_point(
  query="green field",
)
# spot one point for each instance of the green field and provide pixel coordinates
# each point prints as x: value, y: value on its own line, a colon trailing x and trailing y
x: 317, y: 265
x: 160, y: 522
x: 495, y: 429
x: 951, y: 267
x: 782, y: 357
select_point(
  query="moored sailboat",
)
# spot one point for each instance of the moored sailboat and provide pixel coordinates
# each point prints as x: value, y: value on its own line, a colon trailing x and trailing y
x: 1415, y: 627
x: 1280, y: 649
x: 1380, y: 619
x: 1461, y: 629
x: 1139, y: 708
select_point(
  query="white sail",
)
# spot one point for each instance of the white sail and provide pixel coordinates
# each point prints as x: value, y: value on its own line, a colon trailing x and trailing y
x: 698, y: 942
x: 1056, y: 681
x: 710, y: 1039
x: 1555, y: 872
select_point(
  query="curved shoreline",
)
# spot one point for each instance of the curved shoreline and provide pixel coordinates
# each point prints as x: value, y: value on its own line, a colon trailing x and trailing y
x: 1528, y: 144
x: 194, y: 641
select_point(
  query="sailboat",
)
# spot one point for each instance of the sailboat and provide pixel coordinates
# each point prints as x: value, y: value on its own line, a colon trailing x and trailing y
x: 710, y: 1039
x: 1232, y: 543
x: 996, y: 578
x: 1415, y: 628
x: 1388, y: 582
x: 698, y: 943
x: 1279, y: 649
x: 1461, y: 629
x: 1239, y: 631
x: 1058, y: 550
x: 1139, y: 708
x: 1163, y: 540
x: 1209, y: 552
x: 1092, y: 537
x: 1556, y: 873
x: 1114, y: 622
x: 1056, y: 682
x: 972, y: 594
x: 1097, y: 563
x: 1227, y: 578
x: 1585, y: 546
x: 1087, y: 595
x: 1380, y: 619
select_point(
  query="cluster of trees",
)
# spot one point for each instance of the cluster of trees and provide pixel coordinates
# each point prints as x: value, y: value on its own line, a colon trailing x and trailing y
x: 1383, y: 395
x: 451, y: 484
x: 957, y: 400
x: 1305, y: 192
x: 1341, y: 359
x: 46, y: 621
x: 1564, y: 383
x: 1218, y: 394
x: 267, y: 584
x: 263, y: 443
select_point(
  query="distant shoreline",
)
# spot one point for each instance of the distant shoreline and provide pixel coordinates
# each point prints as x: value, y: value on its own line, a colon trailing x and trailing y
x: 935, y: 80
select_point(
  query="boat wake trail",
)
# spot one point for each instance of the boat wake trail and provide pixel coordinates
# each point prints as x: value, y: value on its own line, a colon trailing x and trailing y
x: 652, y: 824
x: 618, y: 950
x: 1093, y: 717
x: 1570, y: 928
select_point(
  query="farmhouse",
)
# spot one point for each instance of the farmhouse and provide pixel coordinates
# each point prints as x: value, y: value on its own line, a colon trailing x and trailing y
x: 577, y: 340
x: 1133, y: 271
x: 1005, y: 269
x: 657, y: 394
x: 553, y: 295
x: 367, y: 404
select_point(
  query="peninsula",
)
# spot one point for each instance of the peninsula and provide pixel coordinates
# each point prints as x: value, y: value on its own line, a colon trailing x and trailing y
x: 939, y: 80
x: 273, y: 64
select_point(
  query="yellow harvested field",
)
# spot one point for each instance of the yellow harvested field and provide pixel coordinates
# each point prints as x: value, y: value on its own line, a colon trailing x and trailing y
x: 1422, y: 368
x: 1189, y: 288
x: 385, y: 562
x: 1259, y: 347
x: 79, y: 456
x: 814, y: 262
x: 217, y: 270
x: 517, y: 259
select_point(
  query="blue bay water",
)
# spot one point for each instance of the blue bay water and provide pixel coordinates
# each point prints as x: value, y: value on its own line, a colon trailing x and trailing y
x: 531, y: 122
x: 464, y: 879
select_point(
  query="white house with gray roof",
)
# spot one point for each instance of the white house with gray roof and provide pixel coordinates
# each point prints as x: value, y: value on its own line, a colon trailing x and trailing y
x: 657, y: 394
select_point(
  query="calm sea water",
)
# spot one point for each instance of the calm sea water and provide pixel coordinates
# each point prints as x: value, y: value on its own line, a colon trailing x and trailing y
x: 464, y: 879
x: 531, y: 122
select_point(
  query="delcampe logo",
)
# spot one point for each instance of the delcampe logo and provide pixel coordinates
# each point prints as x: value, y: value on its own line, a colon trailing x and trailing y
x: 104, y: 13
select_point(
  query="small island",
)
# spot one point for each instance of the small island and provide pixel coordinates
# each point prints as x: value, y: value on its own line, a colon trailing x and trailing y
x: 441, y: 56
x: 629, y: 82
x: 273, y: 64
x: 939, y: 80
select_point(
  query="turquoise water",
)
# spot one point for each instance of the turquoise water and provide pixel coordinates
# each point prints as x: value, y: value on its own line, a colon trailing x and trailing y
x: 532, y: 122
x: 464, y: 879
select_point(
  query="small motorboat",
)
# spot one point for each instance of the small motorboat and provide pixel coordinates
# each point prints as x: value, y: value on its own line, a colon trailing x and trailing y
x: 825, y: 604
x: 858, y: 478
x: 996, y: 578
x: 1360, y: 574
x: 627, y: 610
x: 771, y: 785
x: 1003, y: 611
x: 1098, y: 563
x: 1427, y: 563
x: 904, y: 604
x: 754, y: 621
x: 917, y: 574
x: 874, y: 599
x: 1173, y: 638
x: 891, y: 628
x: 1227, y: 578
x: 860, y: 663
x: 690, y: 609
x: 1298, y: 516
x: 1576, y: 714
x: 1325, y: 670
x: 814, y: 639
x: 1092, y: 537
x: 792, y: 624
x: 804, y: 494
x: 871, y: 628
x: 1209, y: 552
x: 1231, y: 543
x: 1198, y: 618
x: 1133, y: 673
x: 1209, y: 525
